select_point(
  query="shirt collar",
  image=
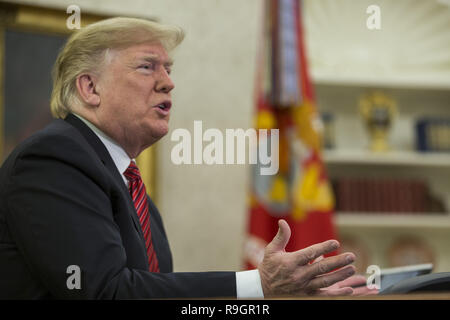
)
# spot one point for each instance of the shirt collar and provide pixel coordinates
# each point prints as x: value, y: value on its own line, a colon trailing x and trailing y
x: 117, y: 153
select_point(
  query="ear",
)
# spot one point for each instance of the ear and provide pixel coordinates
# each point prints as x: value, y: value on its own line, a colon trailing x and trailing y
x: 86, y: 86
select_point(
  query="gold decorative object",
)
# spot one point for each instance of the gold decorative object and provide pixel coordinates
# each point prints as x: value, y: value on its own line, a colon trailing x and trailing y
x: 378, y: 111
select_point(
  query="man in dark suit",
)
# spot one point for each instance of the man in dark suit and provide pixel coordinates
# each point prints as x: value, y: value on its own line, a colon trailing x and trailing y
x: 75, y: 220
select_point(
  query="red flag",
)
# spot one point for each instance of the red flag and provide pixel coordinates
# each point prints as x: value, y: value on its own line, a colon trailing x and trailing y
x: 300, y: 192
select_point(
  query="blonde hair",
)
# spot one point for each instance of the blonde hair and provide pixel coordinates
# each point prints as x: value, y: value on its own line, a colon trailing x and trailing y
x: 85, y: 51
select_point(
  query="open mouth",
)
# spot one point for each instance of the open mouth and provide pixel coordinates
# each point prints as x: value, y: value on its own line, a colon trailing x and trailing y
x: 165, y: 106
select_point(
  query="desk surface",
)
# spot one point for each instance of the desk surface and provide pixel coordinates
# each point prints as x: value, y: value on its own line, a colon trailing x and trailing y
x: 411, y: 296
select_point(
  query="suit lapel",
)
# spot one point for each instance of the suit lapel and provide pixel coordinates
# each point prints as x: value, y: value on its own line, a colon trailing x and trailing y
x: 106, y: 159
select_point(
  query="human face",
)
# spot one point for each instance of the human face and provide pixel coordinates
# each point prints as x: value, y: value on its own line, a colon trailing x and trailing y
x: 135, y: 102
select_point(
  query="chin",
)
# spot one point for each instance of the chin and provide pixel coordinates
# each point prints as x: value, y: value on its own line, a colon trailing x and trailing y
x: 159, y: 131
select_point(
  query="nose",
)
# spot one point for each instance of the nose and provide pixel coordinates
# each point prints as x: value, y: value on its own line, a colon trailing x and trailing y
x: 164, y: 83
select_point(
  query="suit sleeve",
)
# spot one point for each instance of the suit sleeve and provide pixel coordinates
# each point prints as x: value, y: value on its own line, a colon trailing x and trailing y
x: 60, y: 216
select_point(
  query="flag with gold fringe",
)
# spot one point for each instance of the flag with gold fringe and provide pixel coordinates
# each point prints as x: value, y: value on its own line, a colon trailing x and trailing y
x: 300, y: 191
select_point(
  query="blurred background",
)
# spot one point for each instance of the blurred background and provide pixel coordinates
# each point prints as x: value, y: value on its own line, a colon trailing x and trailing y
x: 383, y: 94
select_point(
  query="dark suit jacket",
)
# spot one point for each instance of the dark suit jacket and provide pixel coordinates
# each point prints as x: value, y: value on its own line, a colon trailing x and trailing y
x: 62, y: 203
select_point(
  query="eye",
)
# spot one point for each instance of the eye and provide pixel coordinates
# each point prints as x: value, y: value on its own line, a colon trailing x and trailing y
x: 147, y: 66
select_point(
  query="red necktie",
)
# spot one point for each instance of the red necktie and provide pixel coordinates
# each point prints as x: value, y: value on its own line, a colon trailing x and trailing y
x: 139, y: 195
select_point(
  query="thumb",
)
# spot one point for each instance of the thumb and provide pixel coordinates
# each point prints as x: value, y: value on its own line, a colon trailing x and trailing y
x: 281, y: 239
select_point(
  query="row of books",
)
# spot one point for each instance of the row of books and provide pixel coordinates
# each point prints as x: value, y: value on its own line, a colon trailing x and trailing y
x: 433, y: 134
x: 384, y: 195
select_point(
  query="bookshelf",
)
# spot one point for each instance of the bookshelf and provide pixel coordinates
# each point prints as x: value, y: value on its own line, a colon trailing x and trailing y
x: 413, y: 69
x: 392, y: 158
x: 346, y: 220
x: 410, y: 82
x: 375, y: 233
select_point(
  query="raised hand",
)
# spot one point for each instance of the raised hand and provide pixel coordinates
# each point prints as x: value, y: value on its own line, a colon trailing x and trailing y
x: 291, y: 273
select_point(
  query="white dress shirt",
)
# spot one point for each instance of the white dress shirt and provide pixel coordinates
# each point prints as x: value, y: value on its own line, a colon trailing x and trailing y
x: 248, y: 283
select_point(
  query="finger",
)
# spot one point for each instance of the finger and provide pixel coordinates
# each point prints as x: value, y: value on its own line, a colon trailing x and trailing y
x: 364, y: 291
x: 331, y: 278
x: 317, y: 259
x: 353, y: 281
x: 281, y: 239
x: 358, y: 282
x: 329, y: 264
x: 310, y: 253
x: 347, y: 291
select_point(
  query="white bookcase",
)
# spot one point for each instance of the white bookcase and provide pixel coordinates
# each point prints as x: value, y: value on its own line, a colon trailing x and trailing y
x: 408, y: 58
x: 377, y: 233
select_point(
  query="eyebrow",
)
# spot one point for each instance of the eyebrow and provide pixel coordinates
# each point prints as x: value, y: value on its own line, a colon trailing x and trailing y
x: 155, y: 58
